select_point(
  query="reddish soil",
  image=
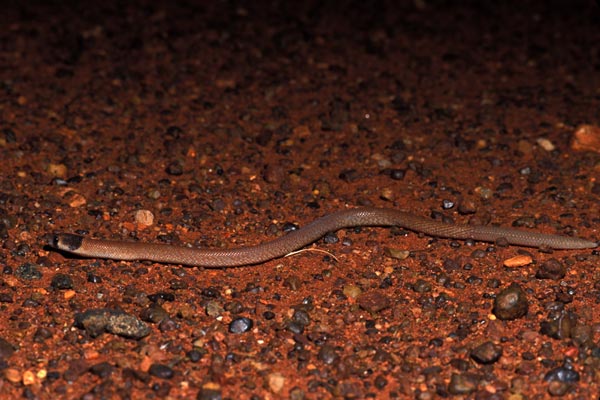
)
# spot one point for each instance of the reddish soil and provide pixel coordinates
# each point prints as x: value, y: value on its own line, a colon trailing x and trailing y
x: 231, y: 122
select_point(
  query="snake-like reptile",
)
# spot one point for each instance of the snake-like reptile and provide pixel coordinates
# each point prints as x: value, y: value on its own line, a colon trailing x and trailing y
x: 365, y: 216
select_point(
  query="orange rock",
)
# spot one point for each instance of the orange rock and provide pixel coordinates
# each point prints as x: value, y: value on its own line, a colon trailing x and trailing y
x: 586, y: 138
x: 518, y: 261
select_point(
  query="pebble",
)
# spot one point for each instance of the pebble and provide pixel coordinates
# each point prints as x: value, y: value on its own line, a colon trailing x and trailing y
x: 213, y: 308
x: 518, y: 261
x: 546, y: 144
x: 301, y: 317
x: 447, y: 204
x: 6, y: 298
x: 175, y: 168
x: 57, y: 170
x: 556, y: 388
x: 102, y: 370
x: 161, y: 296
x: 396, y: 253
x: 154, y: 313
x: 328, y: 355
x: 99, y: 320
x: 586, y: 138
x: 210, y: 391
x: 6, y: 349
x: 12, y: 375
x: 421, y: 286
x: 478, y: 253
x: 77, y: 200
x: 61, y: 282
x: 397, y: 174
x: 276, y: 382
x: 387, y: 194
x: 486, y: 353
x: 241, y: 325
x: 161, y: 371
x: 41, y: 334
x: 28, y: 271
x: 144, y: 217
x: 467, y: 207
x: 296, y: 394
x: 564, y: 373
x: 28, y: 378
x: 484, y: 193
x: 153, y: 194
x: 92, y: 278
x: 274, y: 173
x: 461, y: 384
x: 373, y: 301
x: 194, y: 355
x: 511, y: 303
x: 559, y: 325
x: 551, y: 269
x: 352, y: 291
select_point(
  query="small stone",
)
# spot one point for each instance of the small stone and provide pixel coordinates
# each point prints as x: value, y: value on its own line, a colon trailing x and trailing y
x: 57, y: 170
x: 396, y: 253
x: 6, y: 349
x: 564, y: 373
x: 551, y: 269
x: 586, y: 138
x: 77, y: 200
x: 144, y: 217
x: 461, y: 384
x: 352, y: 291
x: 524, y: 147
x: 28, y: 271
x: 241, y: 325
x: 467, y: 207
x: 421, y: 286
x: 328, y: 355
x: 546, y: 144
x: 61, y: 282
x: 387, y: 194
x: 486, y: 353
x: 102, y: 370
x: 448, y: 204
x: 296, y: 394
x: 484, y: 193
x: 153, y: 194
x: 518, y: 261
x: 511, y: 303
x: 194, y: 355
x: 559, y: 325
x: 41, y: 334
x: 28, y: 378
x: 558, y: 389
x: 292, y: 282
x: 210, y: 391
x: 276, y: 382
x: 214, y: 309
x: 175, y: 168
x: 161, y: 371
x: 274, y: 174
x: 373, y: 301
x: 154, y: 313
x: 12, y: 375
x: 99, y: 320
